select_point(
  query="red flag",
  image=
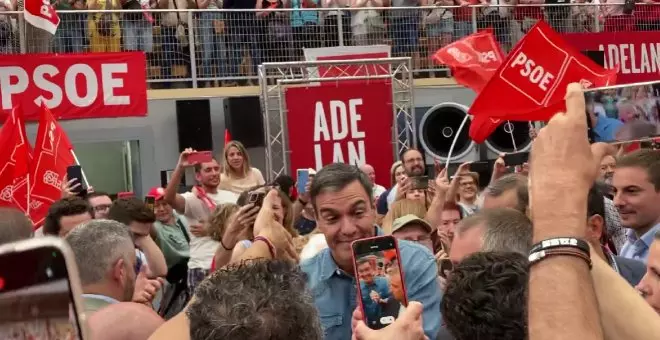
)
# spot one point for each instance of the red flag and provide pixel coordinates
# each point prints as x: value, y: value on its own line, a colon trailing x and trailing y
x: 15, y: 159
x: 227, y: 136
x: 531, y: 83
x: 472, y: 60
x: 41, y: 14
x: 52, y: 155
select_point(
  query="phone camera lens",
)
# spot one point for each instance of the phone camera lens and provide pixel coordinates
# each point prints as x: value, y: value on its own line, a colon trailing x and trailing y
x: 49, y: 273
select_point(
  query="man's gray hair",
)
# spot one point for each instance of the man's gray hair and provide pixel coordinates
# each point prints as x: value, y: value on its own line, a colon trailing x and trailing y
x: 505, y: 230
x: 255, y: 300
x: 511, y: 182
x: 14, y: 226
x: 335, y: 177
x: 97, y: 245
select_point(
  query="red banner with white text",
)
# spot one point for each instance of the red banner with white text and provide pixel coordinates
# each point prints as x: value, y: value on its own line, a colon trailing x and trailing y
x: 636, y: 53
x: 331, y: 125
x: 74, y: 86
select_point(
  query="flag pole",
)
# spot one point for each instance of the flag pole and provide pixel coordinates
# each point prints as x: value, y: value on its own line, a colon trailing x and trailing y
x: 620, y: 86
x: 27, y: 184
x: 81, y: 169
x: 513, y: 140
x: 453, y: 143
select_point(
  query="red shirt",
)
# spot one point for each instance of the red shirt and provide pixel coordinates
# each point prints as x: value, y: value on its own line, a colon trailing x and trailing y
x: 464, y: 13
x: 522, y: 12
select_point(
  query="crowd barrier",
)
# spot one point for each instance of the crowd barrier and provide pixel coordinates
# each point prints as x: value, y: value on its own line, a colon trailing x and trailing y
x: 219, y: 47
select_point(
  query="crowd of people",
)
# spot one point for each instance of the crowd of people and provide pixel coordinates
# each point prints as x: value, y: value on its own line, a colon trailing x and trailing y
x: 265, y: 33
x: 214, y: 262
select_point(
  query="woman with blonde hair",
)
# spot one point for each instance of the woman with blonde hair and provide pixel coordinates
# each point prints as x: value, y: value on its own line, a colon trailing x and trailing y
x: 237, y: 174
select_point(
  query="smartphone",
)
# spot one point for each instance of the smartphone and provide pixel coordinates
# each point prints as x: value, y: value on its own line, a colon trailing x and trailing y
x: 150, y: 202
x: 200, y: 157
x: 381, y: 294
x: 75, y: 172
x: 420, y: 182
x: 516, y: 158
x: 256, y: 198
x: 445, y: 266
x: 302, y: 177
x: 40, y: 291
x: 622, y: 114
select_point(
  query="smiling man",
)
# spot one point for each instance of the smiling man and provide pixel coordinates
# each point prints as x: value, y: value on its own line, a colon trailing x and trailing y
x: 636, y: 183
x: 345, y: 212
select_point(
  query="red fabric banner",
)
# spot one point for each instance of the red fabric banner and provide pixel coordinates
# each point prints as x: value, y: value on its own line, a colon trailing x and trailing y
x: 330, y: 124
x: 531, y: 84
x: 52, y: 155
x: 74, y: 86
x: 636, y: 53
x: 15, y: 159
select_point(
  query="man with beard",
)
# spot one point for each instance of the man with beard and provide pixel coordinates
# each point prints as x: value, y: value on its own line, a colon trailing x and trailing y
x: 607, y: 166
x: 413, y: 163
x: 344, y: 209
x: 636, y: 184
x: 106, y: 262
x: 197, y: 206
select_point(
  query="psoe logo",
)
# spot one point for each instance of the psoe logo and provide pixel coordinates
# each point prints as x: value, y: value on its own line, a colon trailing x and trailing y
x: 51, y: 178
x: 5, y: 194
x: 458, y: 55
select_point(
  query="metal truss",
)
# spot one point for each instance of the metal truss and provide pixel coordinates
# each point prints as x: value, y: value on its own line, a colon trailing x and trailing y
x: 275, y: 78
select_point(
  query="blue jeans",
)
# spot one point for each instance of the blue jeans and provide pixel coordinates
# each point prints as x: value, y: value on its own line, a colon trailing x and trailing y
x: 70, y: 36
x: 405, y: 33
x: 242, y: 37
x: 214, y: 50
x: 138, y: 35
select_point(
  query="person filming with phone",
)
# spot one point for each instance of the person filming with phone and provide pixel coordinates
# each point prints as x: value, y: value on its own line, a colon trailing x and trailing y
x: 197, y: 205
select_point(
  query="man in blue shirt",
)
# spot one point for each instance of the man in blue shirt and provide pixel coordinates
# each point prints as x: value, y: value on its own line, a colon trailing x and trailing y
x: 375, y: 291
x: 345, y: 212
x: 604, y: 128
x: 636, y: 183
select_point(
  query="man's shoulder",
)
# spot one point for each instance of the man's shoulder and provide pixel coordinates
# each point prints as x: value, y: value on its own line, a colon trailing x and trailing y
x: 225, y: 196
x: 415, y: 257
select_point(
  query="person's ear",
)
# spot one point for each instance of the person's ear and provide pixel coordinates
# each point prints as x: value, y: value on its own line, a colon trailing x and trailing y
x: 595, y: 227
x: 119, y: 271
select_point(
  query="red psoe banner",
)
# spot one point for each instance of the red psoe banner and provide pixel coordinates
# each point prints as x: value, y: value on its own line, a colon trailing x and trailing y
x: 636, y: 53
x: 74, y: 86
x: 351, y: 123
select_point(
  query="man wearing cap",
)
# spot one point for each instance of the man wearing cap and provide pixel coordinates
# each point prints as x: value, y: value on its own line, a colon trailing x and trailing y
x: 414, y: 229
x: 171, y: 230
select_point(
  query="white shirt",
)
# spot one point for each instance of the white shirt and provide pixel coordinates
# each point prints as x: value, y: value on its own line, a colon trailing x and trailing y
x: 202, y: 249
x: 378, y: 190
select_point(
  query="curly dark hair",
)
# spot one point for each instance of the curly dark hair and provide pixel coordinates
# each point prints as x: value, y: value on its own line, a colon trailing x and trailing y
x: 255, y: 300
x: 69, y: 206
x: 486, y: 297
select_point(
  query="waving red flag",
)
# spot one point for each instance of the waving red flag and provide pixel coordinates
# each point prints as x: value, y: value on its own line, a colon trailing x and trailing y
x: 472, y: 60
x: 41, y: 14
x: 227, y: 137
x: 15, y: 159
x: 52, y: 155
x: 530, y: 84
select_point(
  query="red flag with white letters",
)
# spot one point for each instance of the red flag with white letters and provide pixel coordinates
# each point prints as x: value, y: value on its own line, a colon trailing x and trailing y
x: 52, y: 156
x: 531, y: 83
x: 15, y: 159
x: 41, y: 14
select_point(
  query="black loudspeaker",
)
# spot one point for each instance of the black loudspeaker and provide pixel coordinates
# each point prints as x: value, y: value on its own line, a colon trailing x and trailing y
x: 439, y: 126
x: 503, y: 138
x: 597, y: 56
x: 244, y: 121
x: 193, y: 122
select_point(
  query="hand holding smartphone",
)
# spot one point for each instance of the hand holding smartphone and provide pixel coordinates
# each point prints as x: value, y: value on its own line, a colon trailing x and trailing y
x: 74, y: 172
x: 381, y: 291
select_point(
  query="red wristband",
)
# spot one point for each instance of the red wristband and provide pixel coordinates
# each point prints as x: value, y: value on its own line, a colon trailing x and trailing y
x: 271, y: 247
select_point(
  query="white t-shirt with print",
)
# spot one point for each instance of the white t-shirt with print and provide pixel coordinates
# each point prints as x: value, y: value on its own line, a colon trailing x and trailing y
x: 202, y: 249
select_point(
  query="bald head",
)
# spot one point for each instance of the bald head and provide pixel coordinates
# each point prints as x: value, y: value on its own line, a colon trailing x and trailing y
x: 14, y: 226
x: 125, y: 321
x: 369, y: 170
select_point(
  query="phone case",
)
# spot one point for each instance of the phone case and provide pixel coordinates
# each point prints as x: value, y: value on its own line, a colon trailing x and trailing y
x: 71, y: 268
x: 200, y: 157
x: 402, y: 270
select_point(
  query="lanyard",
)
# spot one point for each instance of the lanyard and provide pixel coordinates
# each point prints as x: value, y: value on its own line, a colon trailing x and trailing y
x: 201, y: 194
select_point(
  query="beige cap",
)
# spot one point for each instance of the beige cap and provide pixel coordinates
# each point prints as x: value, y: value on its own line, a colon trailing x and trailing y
x: 408, y: 219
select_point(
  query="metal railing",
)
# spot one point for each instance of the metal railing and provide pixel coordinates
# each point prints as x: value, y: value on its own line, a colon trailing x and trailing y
x: 222, y: 47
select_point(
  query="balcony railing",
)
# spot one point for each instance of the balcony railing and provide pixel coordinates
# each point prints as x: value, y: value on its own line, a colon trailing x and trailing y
x: 216, y: 47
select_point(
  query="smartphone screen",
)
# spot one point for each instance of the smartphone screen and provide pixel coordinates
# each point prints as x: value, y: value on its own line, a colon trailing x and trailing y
x: 302, y: 177
x: 200, y: 157
x: 75, y: 172
x: 517, y: 158
x: 381, y: 289
x: 36, y: 300
x: 623, y: 114
x: 150, y: 202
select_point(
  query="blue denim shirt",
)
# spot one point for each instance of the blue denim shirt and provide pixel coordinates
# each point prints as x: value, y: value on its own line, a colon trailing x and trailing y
x: 335, y: 291
x: 638, y: 248
x: 382, y: 287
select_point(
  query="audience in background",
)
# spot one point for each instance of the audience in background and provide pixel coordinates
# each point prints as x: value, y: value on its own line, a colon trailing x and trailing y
x: 237, y: 173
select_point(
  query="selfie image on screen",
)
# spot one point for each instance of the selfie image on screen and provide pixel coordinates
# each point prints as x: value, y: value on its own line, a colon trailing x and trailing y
x: 383, y: 296
x: 623, y: 114
x: 35, y: 297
